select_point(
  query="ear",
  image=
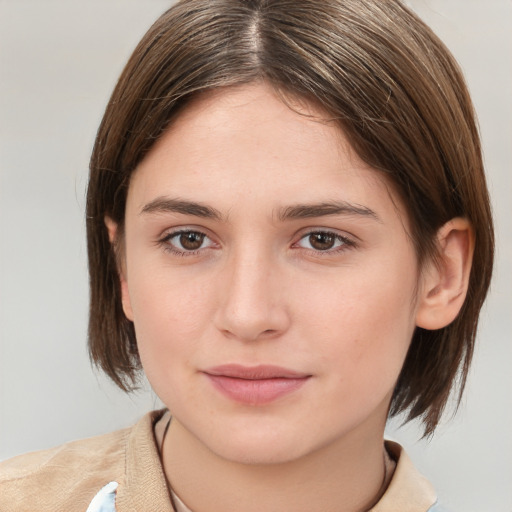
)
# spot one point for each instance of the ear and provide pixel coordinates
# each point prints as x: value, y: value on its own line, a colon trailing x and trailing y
x: 113, y: 236
x: 445, y: 282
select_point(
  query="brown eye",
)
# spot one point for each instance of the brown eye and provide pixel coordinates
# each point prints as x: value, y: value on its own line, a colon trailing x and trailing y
x: 325, y: 241
x: 186, y: 243
x: 191, y: 240
x: 322, y: 241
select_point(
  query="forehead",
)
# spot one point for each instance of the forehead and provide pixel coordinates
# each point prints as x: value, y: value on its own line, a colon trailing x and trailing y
x: 247, y: 143
x: 254, y: 114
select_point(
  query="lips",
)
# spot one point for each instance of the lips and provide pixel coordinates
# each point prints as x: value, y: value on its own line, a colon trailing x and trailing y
x: 257, y: 385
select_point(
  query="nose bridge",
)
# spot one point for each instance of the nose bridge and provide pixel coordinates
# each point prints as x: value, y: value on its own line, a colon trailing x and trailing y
x: 253, y: 303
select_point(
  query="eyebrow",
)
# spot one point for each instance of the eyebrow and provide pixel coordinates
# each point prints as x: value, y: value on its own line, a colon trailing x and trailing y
x: 304, y: 211
x: 169, y: 205
x: 299, y: 211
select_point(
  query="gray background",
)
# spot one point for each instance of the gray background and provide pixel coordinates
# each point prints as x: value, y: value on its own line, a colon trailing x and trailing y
x: 58, y: 63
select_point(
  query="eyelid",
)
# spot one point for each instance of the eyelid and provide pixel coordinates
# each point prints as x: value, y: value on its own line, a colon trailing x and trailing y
x: 323, y: 229
x: 187, y: 228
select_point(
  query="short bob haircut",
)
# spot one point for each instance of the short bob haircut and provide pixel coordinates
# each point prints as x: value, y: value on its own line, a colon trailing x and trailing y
x: 378, y: 71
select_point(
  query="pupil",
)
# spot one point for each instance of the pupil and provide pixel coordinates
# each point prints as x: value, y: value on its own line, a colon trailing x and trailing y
x: 191, y: 241
x: 321, y: 241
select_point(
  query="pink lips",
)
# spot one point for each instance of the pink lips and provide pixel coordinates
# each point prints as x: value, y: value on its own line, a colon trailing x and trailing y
x: 255, y: 385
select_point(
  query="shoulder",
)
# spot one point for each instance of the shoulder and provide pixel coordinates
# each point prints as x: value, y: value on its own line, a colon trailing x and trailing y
x: 66, y: 477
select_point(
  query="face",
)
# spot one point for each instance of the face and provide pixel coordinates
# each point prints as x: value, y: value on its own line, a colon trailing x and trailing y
x: 269, y: 276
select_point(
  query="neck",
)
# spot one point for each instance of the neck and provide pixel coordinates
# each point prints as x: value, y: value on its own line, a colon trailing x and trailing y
x: 347, y: 475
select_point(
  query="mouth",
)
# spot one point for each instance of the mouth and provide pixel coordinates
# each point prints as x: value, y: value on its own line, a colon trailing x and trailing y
x: 256, y: 385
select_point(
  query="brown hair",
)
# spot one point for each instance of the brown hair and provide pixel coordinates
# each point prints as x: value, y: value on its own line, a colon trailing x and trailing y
x: 374, y: 67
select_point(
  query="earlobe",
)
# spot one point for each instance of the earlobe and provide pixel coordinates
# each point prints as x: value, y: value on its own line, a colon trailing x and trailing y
x: 111, y: 228
x: 445, y: 282
x: 113, y: 236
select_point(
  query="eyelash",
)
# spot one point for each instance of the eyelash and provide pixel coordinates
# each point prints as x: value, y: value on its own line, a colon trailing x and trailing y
x: 346, y: 243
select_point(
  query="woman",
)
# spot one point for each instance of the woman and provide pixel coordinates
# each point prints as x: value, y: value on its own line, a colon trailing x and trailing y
x: 289, y: 231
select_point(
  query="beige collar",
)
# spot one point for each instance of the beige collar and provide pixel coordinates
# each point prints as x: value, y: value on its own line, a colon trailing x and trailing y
x: 144, y: 476
x: 408, y: 490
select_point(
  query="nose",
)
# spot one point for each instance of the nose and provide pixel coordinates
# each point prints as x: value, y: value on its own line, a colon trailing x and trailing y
x: 253, y: 304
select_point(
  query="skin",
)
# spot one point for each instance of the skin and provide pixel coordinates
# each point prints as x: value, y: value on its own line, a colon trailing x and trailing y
x: 258, y: 290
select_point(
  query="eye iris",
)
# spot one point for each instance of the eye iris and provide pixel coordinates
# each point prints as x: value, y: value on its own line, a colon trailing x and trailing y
x: 322, y: 241
x: 191, y: 240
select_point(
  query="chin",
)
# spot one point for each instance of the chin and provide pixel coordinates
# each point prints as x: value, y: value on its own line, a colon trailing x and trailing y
x: 258, y: 447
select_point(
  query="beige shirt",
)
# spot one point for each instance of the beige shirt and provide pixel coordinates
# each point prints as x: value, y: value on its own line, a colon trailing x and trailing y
x: 68, y: 477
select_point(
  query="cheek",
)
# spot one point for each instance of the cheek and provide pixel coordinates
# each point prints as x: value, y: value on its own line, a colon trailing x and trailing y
x: 363, y: 327
x: 170, y: 317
